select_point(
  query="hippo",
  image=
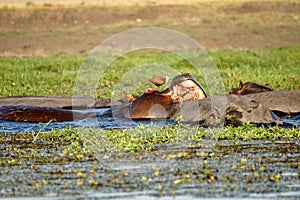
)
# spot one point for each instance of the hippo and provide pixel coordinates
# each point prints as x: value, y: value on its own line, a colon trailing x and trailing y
x: 155, y: 104
x: 41, y: 114
x: 45, y: 109
x: 250, y: 88
x: 151, y: 104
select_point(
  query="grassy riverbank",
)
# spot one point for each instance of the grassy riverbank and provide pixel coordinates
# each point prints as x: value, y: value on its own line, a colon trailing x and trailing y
x: 55, y: 76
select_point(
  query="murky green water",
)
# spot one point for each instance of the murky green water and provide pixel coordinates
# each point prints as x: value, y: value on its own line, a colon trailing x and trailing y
x: 206, y: 169
x: 253, y: 169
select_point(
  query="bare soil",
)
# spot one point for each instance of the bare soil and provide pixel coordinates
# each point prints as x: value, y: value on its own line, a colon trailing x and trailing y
x: 47, y: 29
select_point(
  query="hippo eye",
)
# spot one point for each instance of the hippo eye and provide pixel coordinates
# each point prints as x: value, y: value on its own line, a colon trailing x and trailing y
x: 188, y: 83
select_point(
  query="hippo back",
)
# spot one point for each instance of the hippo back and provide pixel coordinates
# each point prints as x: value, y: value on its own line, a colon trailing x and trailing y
x: 151, y: 105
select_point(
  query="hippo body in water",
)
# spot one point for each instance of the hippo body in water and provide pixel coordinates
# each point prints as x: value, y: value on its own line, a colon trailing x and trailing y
x: 151, y: 104
x: 40, y: 114
x: 155, y: 104
x: 284, y: 103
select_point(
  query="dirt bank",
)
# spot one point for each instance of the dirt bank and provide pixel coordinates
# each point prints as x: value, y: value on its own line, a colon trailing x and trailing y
x: 47, y: 29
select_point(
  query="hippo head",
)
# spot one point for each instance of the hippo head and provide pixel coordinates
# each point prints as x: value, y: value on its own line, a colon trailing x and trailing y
x: 249, y: 88
x: 156, y: 104
x: 186, y: 88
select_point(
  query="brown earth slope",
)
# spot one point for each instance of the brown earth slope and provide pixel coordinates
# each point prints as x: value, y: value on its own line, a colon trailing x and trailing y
x: 47, y: 29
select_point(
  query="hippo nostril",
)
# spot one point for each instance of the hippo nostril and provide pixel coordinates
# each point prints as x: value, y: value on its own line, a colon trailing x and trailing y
x: 150, y: 91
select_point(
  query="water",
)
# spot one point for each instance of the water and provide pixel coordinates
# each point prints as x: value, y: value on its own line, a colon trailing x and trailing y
x: 102, y: 123
x: 295, y: 121
x: 253, y: 178
x: 50, y: 173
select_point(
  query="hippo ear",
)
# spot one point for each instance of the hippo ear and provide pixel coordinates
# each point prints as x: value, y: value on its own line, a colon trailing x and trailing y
x: 159, y: 80
x: 241, y: 85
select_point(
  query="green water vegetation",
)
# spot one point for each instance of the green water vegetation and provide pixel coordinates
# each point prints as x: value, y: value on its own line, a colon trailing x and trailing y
x: 148, y: 139
x: 56, y: 75
x: 71, y: 144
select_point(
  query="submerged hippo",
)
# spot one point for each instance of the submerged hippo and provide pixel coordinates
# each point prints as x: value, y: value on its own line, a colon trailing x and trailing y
x: 45, y: 109
x: 41, y: 114
x: 250, y: 88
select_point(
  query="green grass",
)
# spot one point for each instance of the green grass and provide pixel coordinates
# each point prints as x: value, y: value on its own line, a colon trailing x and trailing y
x: 38, y: 75
x: 277, y: 67
x: 54, y: 76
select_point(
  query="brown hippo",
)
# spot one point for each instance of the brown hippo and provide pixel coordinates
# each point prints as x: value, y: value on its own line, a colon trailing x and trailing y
x: 45, y: 109
x: 41, y: 114
x: 156, y: 104
x: 249, y: 88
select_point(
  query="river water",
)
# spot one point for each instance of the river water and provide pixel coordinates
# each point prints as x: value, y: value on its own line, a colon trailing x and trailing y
x: 103, y: 123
